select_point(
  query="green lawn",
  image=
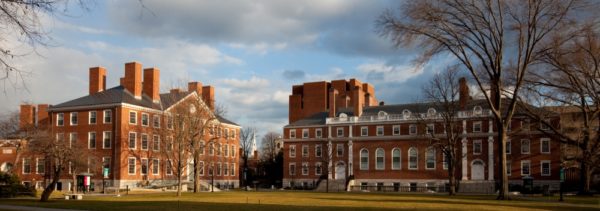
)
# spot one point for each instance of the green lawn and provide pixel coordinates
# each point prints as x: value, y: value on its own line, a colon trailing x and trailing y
x: 238, y: 200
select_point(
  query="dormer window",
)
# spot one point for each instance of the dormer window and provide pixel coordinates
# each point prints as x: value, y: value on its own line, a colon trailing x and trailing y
x: 343, y: 116
x: 381, y: 115
x: 431, y: 112
x: 406, y: 114
x: 477, y: 110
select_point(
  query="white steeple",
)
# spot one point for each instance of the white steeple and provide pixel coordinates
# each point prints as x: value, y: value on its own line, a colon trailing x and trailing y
x: 253, y: 143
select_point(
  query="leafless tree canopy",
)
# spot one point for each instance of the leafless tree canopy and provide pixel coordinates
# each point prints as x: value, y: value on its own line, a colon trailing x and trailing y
x: 269, y: 146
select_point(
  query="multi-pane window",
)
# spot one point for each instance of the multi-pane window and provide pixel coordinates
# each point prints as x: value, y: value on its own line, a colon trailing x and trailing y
x: 340, y: 150
x: 304, y: 168
x: 144, y: 169
x: 107, y: 116
x: 340, y: 132
x: 379, y: 130
x: 169, y: 143
x: 201, y: 168
x: 226, y: 150
x: 226, y: 169
x: 444, y: 161
x: 60, y: 119
x: 508, y: 167
x: 219, y: 167
x: 525, y: 167
x: 379, y: 159
x: 430, y: 128
x: 218, y: 149
x: 170, y: 122
x: 412, y: 129
x: 477, y: 147
x: 74, y: 119
x: 545, y: 145
x: 304, y: 133
x: 155, y: 165
x: 60, y: 137
x: 26, y: 165
x: 318, y: 133
x: 525, y: 124
x: 145, y: 119
x: 292, y: 133
x: 233, y: 151
x: 292, y: 151
x: 211, y: 149
x: 508, y: 147
x: 132, y: 137
x: 364, y: 159
x: 40, y: 167
x: 92, y: 140
x: 105, y: 163
x: 232, y: 171
x: 396, y: 130
x: 131, y: 166
x: 169, y: 167
x: 155, y: 143
x: 545, y: 164
x: 92, y: 118
x: 106, y: 139
x: 318, y: 150
x: 156, y: 121
x: 292, y: 169
x: 476, y: 127
x: 144, y: 141
x: 525, y: 146
x: 72, y: 139
x: 132, y: 117
x: 364, y: 131
x: 396, y: 159
x: 318, y: 169
x: 430, y: 158
x: 304, y: 150
x: 412, y: 158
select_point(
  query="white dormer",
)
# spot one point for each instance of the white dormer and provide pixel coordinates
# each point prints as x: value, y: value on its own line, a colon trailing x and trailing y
x: 477, y: 110
x: 343, y: 116
x: 431, y: 112
x: 406, y: 114
x: 381, y: 115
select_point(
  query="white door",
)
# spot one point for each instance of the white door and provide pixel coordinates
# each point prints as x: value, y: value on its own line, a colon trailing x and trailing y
x: 477, y: 171
x: 340, y: 171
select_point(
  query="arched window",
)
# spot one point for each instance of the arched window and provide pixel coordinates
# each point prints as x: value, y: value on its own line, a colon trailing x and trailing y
x: 343, y: 116
x: 430, y: 158
x: 381, y: 115
x: 364, y: 159
x: 396, y: 159
x: 406, y: 114
x: 412, y: 158
x: 431, y: 112
x: 477, y: 110
x: 379, y: 159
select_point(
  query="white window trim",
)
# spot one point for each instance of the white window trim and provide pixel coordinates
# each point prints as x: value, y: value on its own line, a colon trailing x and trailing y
x: 509, y: 148
x: 156, y: 166
x: 434, y: 159
x: 142, y: 142
x: 432, y: 129
x: 509, y: 168
x: 307, y: 151
x: 232, y: 171
x: 542, y: 148
x: 90, y: 140
x: 307, y: 168
x: 318, y: 133
x: 361, y: 167
x: 63, y: 119
x: 480, y: 147
x: 142, y: 166
x: 367, y: 131
x: 104, y: 116
x: 338, y: 132
x: 37, y: 164
x: 542, y: 168
x: 318, y: 165
x: 201, y: 173
x: 134, y: 165
x: 23, y: 168
x: 392, y: 159
x: 338, y: 147
x: 394, y: 130
x: 169, y: 162
x: 109, y: 141
x: 148, y: 115
x: 134, y: 140
x: 129, y: 118
x: 522, y: 162
x: 318, y: 146
x: 156, y: 117
x: 383, y: 165
x: 292, y: 155
x: 90, y: 117
x: 382, y: 131
x: 417, y: 161
x: 292, y: 133
x: 153, y: 144
x: 528, y: 147
x: 480, y: 126
x: 290, y: 168
x: 305, y: 134
x: 71, y: 118
x: 410, y: 132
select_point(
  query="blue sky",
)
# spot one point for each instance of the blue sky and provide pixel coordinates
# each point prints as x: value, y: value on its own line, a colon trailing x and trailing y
x: 251, y: 51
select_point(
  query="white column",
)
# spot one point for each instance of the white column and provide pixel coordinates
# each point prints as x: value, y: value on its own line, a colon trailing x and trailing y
x: 465, y: 162
x: 350, y: 157
x: 490, y: 158
x: 490, y: 126
x: 329, y: 167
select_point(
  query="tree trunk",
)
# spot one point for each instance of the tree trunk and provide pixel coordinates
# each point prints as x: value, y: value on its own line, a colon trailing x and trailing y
x: 179, y: 185
x: 503, y: 192
x: 451, y: 175
x: 74, y: 188
x: 50, y: 188
x: 585, y: 178
x: 196, y: 175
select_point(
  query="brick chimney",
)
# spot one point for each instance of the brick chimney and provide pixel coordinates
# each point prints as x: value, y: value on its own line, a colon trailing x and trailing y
x: 42, y: 115
x: 195, y: 87
x: 333, y: 94
x: 151, y: 83
x: 463, y: 92
x: 26, y: 116
x: 97, y: 79
x: 175, y: 90
x: 208, y: 95
x: 359, y: 99
x: 133, y: 79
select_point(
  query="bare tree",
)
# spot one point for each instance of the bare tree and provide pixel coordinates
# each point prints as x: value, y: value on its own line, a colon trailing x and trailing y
x: 569, y: 81
x: 269, y: 146
x: 9, y: 125
x: 247, y: 135
x: 443, y: 93
x: 495, y: 41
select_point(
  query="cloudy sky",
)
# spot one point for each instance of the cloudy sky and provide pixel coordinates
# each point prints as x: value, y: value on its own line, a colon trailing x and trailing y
x: 251, y: 51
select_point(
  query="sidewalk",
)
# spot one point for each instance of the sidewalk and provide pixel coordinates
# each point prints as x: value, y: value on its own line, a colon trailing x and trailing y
x: 24, y: 208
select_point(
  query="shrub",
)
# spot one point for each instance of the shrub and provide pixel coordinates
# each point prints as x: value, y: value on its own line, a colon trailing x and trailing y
x: 10, y: 186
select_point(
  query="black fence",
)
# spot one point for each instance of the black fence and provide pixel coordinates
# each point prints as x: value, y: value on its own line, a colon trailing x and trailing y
x: 395, y: 188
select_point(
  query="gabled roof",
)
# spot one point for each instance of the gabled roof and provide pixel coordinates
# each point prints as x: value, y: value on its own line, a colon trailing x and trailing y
x: 113, y: 95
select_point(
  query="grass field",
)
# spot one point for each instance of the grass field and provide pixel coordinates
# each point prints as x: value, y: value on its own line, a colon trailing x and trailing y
x: 238, y: 200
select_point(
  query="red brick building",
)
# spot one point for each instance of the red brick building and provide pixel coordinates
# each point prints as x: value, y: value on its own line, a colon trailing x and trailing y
x: 383, y: 147
x: 121, y: 127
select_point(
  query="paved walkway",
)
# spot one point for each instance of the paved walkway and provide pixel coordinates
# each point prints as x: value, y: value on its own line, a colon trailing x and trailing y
x: 25, y: 208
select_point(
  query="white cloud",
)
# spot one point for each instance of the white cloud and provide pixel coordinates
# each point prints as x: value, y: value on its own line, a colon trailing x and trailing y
x: 281, y: 97
x: 379, y: 71
x: 253, y: 83
x: 261, y: 48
